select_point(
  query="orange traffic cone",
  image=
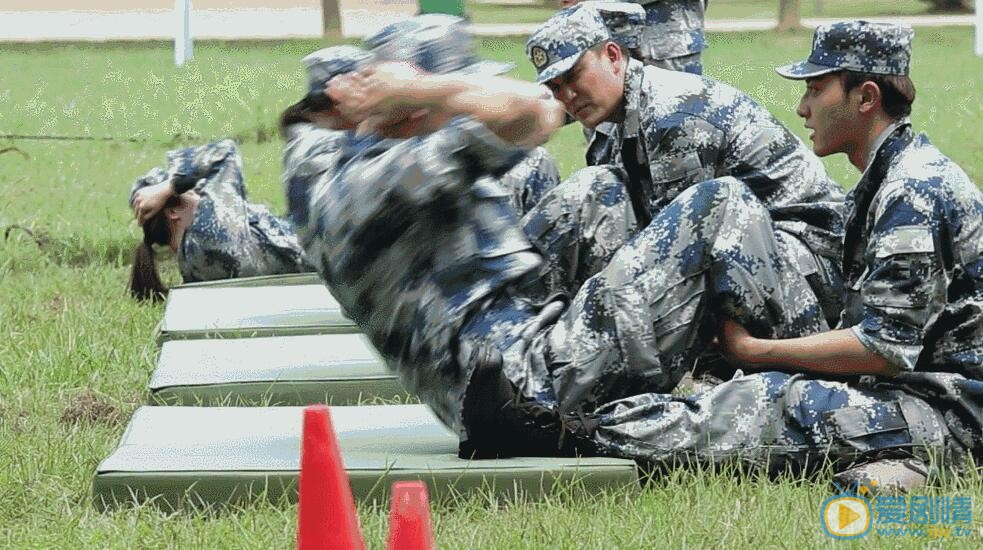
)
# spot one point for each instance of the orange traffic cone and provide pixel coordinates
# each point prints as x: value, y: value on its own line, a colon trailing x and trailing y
x: 326, y: 515
x: 409, y: 517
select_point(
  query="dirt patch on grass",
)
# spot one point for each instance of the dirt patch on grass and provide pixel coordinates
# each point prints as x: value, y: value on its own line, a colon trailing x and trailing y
x: 90, y: 407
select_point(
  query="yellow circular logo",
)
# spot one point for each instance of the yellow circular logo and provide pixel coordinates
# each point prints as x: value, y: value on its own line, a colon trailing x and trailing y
x: 539, y: 57
x: 846, y: 517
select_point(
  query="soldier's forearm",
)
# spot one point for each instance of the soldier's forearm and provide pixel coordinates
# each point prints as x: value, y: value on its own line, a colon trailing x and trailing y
x: 837, y: 352
x: 515, y: 111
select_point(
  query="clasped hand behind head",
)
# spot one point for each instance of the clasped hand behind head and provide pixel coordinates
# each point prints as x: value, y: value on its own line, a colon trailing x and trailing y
x: 383, y: 98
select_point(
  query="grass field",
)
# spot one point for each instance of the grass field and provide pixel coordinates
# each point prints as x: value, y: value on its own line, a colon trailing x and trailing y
x: 76, y: 353
x: 481, y: 12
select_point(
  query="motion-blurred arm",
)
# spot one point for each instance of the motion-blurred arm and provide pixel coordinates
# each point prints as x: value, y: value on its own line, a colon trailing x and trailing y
x: 397, y: 100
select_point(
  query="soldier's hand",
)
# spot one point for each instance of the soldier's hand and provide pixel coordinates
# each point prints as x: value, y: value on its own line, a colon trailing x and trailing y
x: 736, y: 343
x: 388, y: 86
x: 346, y: 95
x: 148, y: 201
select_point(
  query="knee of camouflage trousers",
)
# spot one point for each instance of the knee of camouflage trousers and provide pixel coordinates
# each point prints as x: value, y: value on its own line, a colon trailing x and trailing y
x: 860, y: 422
x: 638, y: 324
x: 530, y: 180
x: 772, y: 421
x: 579, y: 225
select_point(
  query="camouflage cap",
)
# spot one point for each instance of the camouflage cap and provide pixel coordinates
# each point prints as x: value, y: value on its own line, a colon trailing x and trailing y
x: 436, y: 43
x: 327, y: 63
x: 861, y: 46
x: 556, y: 46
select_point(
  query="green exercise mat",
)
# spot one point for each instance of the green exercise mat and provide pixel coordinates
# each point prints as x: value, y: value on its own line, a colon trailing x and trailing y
x: 237, y: 312
x: 265, y: 280
x: 339, y: 369
x: 174, y: 456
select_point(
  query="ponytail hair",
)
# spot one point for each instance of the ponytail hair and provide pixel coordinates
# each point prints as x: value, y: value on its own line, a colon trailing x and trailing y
x: 296, y: 113
x: 145, y: 283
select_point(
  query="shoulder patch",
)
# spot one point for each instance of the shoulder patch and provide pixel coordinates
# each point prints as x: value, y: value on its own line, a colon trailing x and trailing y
x: 906, y: 239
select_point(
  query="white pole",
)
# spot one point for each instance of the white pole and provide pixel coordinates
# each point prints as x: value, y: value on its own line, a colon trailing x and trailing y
x: 979, y: 27
x: 183, y: 45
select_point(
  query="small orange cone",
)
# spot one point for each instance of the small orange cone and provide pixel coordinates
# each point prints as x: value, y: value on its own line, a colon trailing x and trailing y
x: 326, y: 511
x: 409, y: 517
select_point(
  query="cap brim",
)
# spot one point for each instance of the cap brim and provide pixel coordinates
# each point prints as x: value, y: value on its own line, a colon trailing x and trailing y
x: 804, y: 69
x: 559, y: 68
x: 486, y: 67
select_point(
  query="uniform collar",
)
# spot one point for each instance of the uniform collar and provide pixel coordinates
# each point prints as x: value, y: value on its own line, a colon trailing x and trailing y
x: 633, y: 97
x: 892, y: 141
x: 881, y: 140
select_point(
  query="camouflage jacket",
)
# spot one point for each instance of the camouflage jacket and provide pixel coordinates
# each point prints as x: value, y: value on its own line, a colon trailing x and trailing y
x: 691, y: 129
x: 913, y: 258
x: 229, y: 237
x: 310, y: 151
x: 673, y: 28
x: 410, y: 236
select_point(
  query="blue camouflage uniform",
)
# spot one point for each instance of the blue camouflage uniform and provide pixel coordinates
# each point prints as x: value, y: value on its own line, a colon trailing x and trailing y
x: 229, y: 237
x: 429, y: 260
x: 673, y: 36
x: 411, y: 236
x: 680, y: 130
x: 311, y: 150
x: 913, y: 249
x: 911, y: 260
x: 530, y: 180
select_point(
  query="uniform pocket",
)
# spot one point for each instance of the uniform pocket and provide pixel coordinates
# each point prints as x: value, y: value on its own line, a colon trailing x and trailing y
x: 861, y: 429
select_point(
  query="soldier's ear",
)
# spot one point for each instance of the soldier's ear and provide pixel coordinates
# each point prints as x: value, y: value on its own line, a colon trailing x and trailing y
x: 613, y: 53
x: 871, y: 97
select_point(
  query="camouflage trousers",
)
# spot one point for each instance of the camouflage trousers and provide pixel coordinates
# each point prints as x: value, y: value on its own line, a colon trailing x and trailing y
x: 692, y: 63
x: 632, y: 329
x: 530, y: 180
x: 774, y: 421
x: 650, y: 301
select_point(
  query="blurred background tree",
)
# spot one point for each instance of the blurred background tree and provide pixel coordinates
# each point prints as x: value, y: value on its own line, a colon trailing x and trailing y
x: 950, y: 5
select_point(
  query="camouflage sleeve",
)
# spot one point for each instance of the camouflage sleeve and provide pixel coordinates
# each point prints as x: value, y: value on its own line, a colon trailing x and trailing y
x: 187, y: 167
x: 904, y: 286
x: 684, y: 153
x: 310, y: 150
x: 474, y: 150
x: 222, y: 222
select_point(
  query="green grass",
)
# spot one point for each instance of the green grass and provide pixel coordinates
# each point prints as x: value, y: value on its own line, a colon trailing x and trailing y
x: 718, y: 9
x: 76, y: 353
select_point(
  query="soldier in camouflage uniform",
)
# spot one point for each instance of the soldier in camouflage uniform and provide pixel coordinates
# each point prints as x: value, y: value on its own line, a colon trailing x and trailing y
x: 919, y: 228
x: 428, y: 259
x: 216, y: 232
x: 413, y: 236
x: 913, y: 250
x: 673, y: 130
x: 313, y: 129
x: 672, y: 37
x: 908, y: 350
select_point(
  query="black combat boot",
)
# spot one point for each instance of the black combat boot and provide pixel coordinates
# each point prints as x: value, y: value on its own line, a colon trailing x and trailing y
x: 501, y: 422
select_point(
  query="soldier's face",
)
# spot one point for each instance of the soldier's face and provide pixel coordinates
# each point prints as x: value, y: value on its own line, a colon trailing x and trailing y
x: 829, y: 113
x: 180, y: 217
x: 593, y: 90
